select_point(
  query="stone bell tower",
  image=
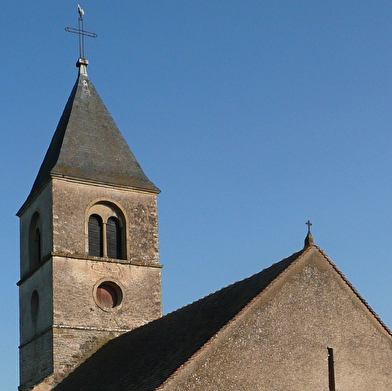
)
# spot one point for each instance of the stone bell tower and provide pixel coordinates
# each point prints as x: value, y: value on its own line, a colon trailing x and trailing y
x: 89, y: 257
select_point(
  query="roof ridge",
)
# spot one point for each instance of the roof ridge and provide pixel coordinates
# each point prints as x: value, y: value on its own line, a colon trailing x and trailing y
x: 298, y: 255
x: 286, y: 270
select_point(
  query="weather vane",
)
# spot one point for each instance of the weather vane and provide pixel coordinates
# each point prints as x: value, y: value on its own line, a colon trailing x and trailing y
x: 81, y: 32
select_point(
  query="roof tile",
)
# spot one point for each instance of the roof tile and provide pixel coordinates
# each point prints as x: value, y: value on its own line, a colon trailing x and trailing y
x: 87, y: 145
x: 146, y: 357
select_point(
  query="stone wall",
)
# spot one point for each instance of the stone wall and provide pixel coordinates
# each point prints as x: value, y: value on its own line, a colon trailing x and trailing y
x: 70, y: 321
x: 75, y: 303
x: 280, y: 341
x: 36, y: 360
x: 72, y: 346
x: 71, y: 204
x: 43, y: 205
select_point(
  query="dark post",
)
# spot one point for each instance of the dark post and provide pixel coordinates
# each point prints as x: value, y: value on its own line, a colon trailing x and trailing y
x: 331, y: 370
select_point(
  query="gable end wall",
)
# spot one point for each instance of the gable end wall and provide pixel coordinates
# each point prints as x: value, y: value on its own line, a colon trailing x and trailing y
x: 279, y: 342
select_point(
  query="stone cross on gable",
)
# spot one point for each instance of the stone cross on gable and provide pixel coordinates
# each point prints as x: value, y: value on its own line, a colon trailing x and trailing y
x: 309, y: 224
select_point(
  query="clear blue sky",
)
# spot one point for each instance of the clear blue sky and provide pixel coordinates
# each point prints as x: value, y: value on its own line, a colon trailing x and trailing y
x: 251, y: 116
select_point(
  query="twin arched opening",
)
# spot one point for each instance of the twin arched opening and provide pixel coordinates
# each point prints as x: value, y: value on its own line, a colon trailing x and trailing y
x: 106, y: 231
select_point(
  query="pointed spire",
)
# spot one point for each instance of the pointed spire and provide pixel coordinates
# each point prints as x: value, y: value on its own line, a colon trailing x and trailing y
x: 309, y: 238
x: 88, y: 146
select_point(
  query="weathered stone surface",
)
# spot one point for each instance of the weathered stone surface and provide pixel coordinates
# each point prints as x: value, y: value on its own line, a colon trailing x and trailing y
x: 43, y: 205
x: 74, y: 281
x: 36, y: 360
x: 88, y: 168
x: 71, y: 203
x: 279, y: 342
x: 70, y: 324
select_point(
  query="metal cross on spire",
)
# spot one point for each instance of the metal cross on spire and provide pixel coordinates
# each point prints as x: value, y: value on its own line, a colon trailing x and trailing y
x: 81, y: 32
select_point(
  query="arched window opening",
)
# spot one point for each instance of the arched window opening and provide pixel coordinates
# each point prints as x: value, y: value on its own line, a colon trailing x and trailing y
x: 95, y: 235
x: 106, y: 231
x: 37, y: 246
x: 113, y: 238
x: 35, y: 241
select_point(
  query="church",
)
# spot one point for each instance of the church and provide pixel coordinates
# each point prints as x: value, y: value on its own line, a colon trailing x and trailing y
x: 90, y: 290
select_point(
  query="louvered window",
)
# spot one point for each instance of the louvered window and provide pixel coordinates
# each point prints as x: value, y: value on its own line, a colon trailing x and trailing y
x: 95, y: 236
x: 113, y: 238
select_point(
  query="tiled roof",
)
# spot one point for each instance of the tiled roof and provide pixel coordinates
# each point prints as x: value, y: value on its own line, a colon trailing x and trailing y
x: 87, y: 145
x: 146, y: 357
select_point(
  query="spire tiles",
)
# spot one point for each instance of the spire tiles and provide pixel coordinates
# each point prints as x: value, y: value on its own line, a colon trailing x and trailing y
x: 87, y: 145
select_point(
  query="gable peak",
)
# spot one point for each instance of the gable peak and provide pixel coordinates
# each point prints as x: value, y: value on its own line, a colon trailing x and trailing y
x: 309, y: 237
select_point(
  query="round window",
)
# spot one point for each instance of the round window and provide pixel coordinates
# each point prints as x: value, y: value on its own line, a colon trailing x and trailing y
x: 108, y: 295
